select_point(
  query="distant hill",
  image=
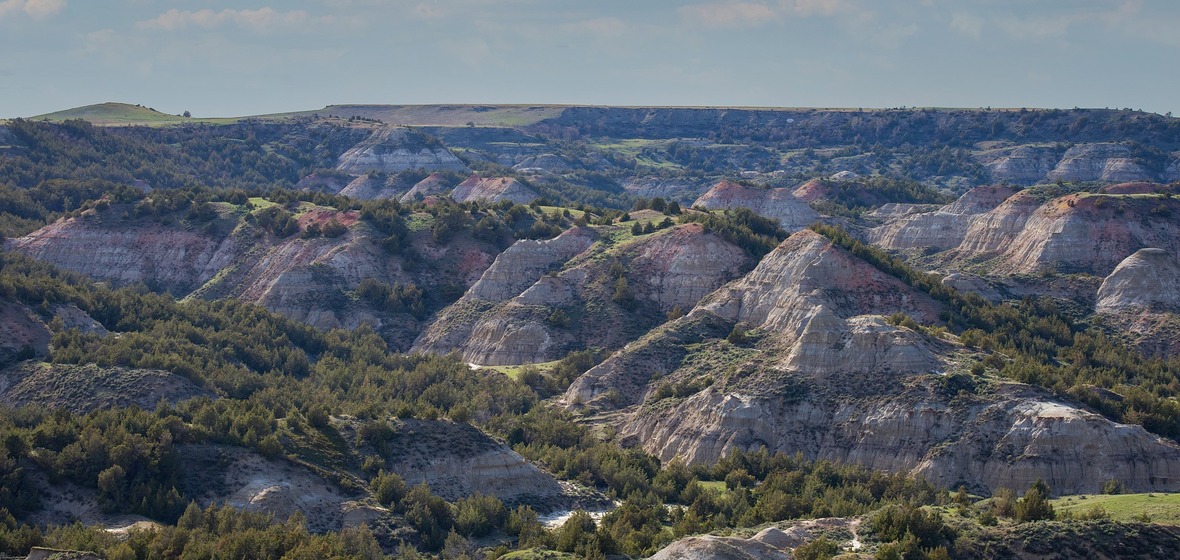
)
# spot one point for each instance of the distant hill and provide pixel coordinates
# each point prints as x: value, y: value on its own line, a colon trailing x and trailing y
x: 115, y: 114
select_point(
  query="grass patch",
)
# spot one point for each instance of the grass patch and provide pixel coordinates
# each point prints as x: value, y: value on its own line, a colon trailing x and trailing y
x: 514, y: 372
x: 1161, y: 508
x: 714, y: 485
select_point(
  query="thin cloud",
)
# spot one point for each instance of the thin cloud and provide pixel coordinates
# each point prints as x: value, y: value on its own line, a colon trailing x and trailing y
x: 258, y: 20
x: 737, y: 13
x: 967, y: 24
x: 36, y: 9
x: 730, y: 14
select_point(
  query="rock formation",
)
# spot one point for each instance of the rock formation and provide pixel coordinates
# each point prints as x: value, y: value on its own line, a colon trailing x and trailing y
x: 492, y: 190
x: 777, y: 204
x: 457, y: 460
x: 436, y: 184
x: 942, y: 229
x: 1148, y: 280
x: 392, y: 149
x: 1098, y: 162
x: 503, y: 319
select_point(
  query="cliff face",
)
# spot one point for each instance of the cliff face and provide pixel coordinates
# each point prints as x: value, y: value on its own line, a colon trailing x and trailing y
x: 777, y: 204
x: 1148, y: 280
x: 1140, y: 299
x: 308, y: 279
x: 1079, y: 233
x: 942, y: 229
x: 1009, y: 438
x: 393, y: 148
x: 505, y: 317
x: 493, y: 190
x: 828, y: 377
x: 1098, y: 162
x: 813, y: 300
x: 436, y: 184
x: 168, y: 258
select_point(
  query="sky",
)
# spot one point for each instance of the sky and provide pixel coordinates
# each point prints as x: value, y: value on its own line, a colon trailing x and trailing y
x: 233, y: 58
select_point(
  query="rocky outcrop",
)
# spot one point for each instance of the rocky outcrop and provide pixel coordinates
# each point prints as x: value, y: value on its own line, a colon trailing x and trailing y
x: 1148, y: 280
x: 942, y: 229
x: 493, y: 190
x: 457, y: 460
x: 1141, y: 299
x: 1090, y: 233
x: 377, y: 186
x: 436, y: 184
x: 1099, y: 162
x: 805, y: 272
x: 777, y: 204
x: 504, y: 318
x: 1009, y: 438
x: 1022, y: 165
x: 167, y: 258
x: 709, y: 547
x: 243, y: 479
x: 81, y: 389
x: 392, y: 149
x: 515, y: 270
x: 993, y: 230
x: 814, y: 301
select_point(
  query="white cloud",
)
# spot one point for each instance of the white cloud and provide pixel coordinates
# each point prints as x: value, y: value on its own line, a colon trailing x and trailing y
x: 36, y: 9
x: 258, y: 20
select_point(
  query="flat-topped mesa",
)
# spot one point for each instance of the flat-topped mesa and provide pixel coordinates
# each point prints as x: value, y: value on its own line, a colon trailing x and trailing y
x: 392, y: 149
x: 942, y: 229
x: 1148, y: 280
x: 495, y: 189
x: 777, y: 204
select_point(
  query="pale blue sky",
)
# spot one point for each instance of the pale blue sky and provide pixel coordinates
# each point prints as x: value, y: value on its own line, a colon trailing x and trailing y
x: 223, y: 58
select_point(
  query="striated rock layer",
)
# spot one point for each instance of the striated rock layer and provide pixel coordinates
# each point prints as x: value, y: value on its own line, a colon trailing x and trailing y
x: 942, y: 229
x: 777, y: 204
x: 828, y: 377
x: 493, y: 190
x: 505, y: 317
x: 392, y: 149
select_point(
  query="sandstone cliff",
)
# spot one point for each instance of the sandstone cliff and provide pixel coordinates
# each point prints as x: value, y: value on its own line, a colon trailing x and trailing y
x: 1099, y: 162
x: 172, y: 259
x: 942, y: 229
x: 1140, y: 298
x: 493, y: 190
x: 823, y: 374
x: 504, y: 318
x: 394, y: 148
x: 1147, y: 280
x: 777, y: 204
